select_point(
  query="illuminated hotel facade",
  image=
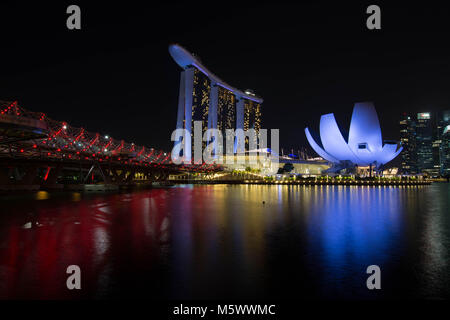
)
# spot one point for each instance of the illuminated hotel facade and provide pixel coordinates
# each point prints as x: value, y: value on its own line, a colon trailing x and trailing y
x: 205, y: 97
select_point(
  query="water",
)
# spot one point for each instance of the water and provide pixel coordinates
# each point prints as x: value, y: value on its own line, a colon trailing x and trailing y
x: 222, y: 241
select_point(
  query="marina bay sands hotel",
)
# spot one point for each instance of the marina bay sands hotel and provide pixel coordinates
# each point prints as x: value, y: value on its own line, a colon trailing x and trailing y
x: 205, y: 97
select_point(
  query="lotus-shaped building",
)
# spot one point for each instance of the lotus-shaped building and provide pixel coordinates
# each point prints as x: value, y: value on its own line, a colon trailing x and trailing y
x: 364, y: 146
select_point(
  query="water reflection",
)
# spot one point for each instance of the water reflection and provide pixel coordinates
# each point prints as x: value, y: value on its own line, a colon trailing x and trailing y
x: 103, y: 235
x: 76, y: 196
x: 435, y: 244
x: 246, y: 241
x: 42, y: 195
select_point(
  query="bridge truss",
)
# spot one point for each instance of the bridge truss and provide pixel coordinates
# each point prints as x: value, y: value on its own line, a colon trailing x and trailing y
x: 27, y: 136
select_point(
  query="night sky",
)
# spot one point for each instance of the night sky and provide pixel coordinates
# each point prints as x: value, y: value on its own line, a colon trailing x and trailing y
x: 115, y: 75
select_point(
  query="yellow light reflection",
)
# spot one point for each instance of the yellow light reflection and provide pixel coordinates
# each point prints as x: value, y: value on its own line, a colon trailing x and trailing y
x: 42, y: 195
x: 76, y: 196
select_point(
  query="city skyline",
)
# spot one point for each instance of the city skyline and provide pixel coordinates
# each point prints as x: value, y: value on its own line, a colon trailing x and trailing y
x: 426, y: 143
x: 241, y: 159
x: 299, y: 76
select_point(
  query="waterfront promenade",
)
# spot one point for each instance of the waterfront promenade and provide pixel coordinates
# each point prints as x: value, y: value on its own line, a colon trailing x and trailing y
x: 306, y: 181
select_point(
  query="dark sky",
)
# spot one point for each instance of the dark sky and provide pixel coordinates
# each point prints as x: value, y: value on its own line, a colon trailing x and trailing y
x: 115, y: 76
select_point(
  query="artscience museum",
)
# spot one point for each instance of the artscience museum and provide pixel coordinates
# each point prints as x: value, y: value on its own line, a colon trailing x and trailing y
x: 364, y: 146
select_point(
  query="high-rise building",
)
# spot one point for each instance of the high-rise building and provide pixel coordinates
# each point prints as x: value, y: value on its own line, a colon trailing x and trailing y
x: 200, y: 99
x: 206, y: 98
x: 252, y: 118
x: 445, y: 152
x: 424, y: 143
x: 408, y: 141
x: 444, y: 137
x: 226, y: 110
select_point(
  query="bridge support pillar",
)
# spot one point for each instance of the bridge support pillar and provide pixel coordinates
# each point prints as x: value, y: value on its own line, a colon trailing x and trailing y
x: 108, y: 174
x: 104, y: 172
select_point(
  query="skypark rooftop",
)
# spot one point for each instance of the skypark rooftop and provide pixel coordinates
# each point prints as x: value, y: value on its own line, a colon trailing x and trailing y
x: 186, y: 59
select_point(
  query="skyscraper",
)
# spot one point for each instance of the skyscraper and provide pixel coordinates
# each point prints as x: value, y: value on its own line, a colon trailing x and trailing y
x: 226, y: 110
x: 444, y: 137
x: 252, y: 117
x: 408, y: 141
x: 424, y: 143
x: 205, y: 97
x: 200, y: 99
x: 445, y: 152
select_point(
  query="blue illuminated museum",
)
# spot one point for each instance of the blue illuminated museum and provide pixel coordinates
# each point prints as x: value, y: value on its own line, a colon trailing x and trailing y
x: 364, y: 146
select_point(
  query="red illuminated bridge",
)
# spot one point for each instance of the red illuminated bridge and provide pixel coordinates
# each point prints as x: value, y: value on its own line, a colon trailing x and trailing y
x: 38, y: 151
